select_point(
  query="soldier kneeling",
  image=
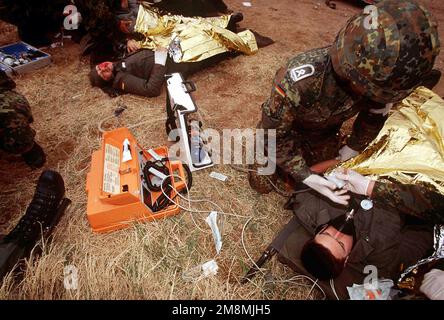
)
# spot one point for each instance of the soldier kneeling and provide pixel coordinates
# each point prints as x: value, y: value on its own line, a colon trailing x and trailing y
x: 363, y: 73
x: 16, y: 135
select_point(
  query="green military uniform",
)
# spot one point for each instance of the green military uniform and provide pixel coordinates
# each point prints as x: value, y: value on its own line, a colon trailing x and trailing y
x: 16, y: 136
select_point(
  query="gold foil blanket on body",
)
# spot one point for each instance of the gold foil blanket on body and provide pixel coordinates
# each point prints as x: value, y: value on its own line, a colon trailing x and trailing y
x: 412, y: 277
x: 199, y: 38
x: 410, y: 147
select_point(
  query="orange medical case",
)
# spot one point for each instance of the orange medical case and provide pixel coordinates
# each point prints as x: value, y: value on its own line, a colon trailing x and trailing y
x: 117, y: 194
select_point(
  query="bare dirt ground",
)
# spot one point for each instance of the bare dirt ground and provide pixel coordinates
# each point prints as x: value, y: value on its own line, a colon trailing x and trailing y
x: 149, y: 260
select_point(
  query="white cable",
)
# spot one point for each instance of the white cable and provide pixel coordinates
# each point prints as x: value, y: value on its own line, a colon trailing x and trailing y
x: 291, y: 280
x: 128, y: 127
x: 301, y: 276
x: 99, y: 126
x: 312, y: 287
x: 278, y: 190
x: 191, y: 274
x: 195, y: 200
x: 332, y: 285
x: 143, y: 122
x: 188, y: 274
x: 245, y: 249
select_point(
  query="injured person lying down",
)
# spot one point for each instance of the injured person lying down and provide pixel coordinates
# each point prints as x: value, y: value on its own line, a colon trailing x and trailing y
x: 191, y: 44
x: 394, y: 192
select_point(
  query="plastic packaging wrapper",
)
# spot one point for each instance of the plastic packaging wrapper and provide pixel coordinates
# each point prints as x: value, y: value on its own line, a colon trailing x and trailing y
x: 191, y: 39
x: 210, y: 268
x: 379, y: 291
x: 410, y: 147
x: 201, y: 271
x: 212, y: 222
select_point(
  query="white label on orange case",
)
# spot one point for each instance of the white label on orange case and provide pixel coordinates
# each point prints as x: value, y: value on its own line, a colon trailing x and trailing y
x: 111, y: 165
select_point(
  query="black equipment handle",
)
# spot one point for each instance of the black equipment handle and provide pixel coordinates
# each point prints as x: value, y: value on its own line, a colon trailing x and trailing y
x: 267, y: 255
x: 189, y: 86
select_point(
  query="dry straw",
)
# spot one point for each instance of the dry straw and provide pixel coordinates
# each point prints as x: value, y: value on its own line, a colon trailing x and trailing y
x: 147, y: 260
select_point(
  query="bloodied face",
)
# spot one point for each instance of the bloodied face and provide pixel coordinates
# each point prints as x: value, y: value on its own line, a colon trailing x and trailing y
x: 105, y: 70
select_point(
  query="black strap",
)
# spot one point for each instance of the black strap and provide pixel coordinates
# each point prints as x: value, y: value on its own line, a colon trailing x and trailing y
x: 160, y: 166
x: 170, y: 123
x: 167, y: 185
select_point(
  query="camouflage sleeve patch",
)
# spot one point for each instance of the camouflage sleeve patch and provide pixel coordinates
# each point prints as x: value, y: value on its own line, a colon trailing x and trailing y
x: 278, y: 112
x: 301, y: 72
x: 413, y: 200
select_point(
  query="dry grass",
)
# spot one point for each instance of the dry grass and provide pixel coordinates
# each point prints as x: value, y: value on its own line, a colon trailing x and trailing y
x: 147, y: 261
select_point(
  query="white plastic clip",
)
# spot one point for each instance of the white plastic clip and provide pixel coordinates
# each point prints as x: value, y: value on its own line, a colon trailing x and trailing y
x: 154, y: 155
x: 126, y: 151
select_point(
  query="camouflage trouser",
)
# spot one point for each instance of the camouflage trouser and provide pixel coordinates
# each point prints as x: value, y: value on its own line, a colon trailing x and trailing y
x: 16, y: 136
x: 317, y: 146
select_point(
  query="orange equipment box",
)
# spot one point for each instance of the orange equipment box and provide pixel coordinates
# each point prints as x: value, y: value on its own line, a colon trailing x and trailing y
x: 117, y: 193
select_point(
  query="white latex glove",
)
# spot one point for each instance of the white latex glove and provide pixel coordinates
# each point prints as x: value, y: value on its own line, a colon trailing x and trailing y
x: 346, y: 153
x: 327, y: 188
x: 355, y: 182
x: 433, y: 284
x: 160, y: 56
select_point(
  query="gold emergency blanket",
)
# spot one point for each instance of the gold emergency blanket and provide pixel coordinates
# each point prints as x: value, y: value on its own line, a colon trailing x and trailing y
x: 410, y: 146
x: 200, y: 38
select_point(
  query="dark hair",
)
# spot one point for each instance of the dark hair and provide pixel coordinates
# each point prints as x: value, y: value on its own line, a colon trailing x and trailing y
x: 320, y: 262
x: 96, y: 80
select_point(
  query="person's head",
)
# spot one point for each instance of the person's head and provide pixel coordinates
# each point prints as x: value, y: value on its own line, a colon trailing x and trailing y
x: 325, y: 255
x: 385, y: 52
x: 102, y: 74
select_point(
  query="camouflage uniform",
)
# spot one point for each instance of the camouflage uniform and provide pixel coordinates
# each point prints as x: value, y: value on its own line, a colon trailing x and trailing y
x: 308, y: 114
x: 98, y: 17
x: 16, y: 136
x: 363, y: 71
x: 414, y: 200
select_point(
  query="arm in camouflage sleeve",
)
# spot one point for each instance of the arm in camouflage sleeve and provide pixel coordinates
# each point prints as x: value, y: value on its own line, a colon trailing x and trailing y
x: 277, y: 114
x: 410, y: 199
x: 367, y: 125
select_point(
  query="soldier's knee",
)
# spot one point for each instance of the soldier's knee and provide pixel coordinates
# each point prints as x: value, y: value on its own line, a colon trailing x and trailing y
x: 17, y: 138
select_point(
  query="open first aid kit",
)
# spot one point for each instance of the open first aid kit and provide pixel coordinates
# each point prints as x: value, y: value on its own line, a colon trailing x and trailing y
x: 20, y: 57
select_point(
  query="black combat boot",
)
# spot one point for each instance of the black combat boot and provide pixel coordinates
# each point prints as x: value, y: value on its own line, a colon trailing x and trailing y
x: 235, y: 18
x: 35, y: 158
x: 42, y: 214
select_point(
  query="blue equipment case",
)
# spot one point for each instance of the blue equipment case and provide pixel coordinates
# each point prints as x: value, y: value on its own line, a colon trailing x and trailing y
x: 21, y: 58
